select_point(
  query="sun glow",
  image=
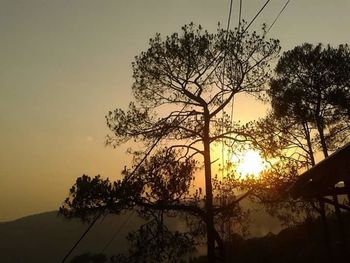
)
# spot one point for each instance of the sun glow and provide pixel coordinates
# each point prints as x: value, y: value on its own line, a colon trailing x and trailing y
x: 250, y: 164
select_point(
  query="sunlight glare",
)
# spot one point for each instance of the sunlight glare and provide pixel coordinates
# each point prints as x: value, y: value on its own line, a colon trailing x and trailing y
x: 251, y: 164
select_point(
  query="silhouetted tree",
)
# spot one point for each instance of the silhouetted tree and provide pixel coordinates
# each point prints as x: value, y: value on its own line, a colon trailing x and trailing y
x: 182, y: 85
x: 312, y: 87
x: 310, y: 100
x: 154, y: 242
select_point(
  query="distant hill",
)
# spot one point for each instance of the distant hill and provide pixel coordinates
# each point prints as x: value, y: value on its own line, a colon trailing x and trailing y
x: 47, y: 237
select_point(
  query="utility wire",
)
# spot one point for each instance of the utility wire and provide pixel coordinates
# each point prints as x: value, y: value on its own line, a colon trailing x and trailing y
x: 240, y: 14
x: 158, y: 139
x: 224, y: 58
x: 239, y: 26
x: 117, y: 232
x: 241, y: 34
x: 261, y: 9
x: 229, y: 17
x: 222, y: 89
x: 154, y: 144
x: 129, y: 176
x: 245, y: 30
x: 279, y: 14
x: 81, y: 238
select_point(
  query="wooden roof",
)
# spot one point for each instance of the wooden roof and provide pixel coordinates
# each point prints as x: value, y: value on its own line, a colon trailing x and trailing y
x: 321, y: 179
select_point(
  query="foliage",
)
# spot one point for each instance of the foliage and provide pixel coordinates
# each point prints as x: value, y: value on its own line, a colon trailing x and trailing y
x: 154, y: 242
x: 160, y: 181
x: 91, y: 196
x: 312, y: 86
x: 182, y: 85
x: 310, y: 97
x: 190, y: 75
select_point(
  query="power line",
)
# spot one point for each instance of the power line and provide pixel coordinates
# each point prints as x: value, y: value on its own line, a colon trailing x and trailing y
x: 245, y: 29
x: 129, y: 176
x: 229, y: 16
x: 159, y: 138
x: 238, y: 39
x: 222, y: 88
x: 154, y: 144
x: 279, y: 14
x: 261, y: 9
x: 116, y: 233
x: 239, y: 26
x: 81, y: 238
x: 240, y: 14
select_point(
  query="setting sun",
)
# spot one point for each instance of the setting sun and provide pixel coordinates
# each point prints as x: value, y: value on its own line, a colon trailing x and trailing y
x: 251, y: 164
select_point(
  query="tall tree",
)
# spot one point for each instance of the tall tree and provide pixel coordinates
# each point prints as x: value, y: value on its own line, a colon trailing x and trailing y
x: 182, y: 86
x: 310, y: 100
x: 312, y: 87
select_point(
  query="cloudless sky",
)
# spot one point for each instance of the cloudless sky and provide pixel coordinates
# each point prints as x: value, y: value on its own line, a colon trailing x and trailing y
x: 65, y: 63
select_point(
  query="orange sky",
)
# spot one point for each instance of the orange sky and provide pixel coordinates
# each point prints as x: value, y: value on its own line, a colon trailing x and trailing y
x: 64, y: 64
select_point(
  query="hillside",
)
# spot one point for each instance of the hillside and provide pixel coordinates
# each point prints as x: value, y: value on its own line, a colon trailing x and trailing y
x: 47, y: 237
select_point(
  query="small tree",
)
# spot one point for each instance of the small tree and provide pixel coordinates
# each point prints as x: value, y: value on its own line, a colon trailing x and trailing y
x: 182, y: 85
x: 154, y: 242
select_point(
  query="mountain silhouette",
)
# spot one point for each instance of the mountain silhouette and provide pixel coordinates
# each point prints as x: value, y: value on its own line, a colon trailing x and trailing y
x: 47, y: 237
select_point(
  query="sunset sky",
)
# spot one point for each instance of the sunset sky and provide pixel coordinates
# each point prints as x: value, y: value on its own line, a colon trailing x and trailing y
x: 65, y: 63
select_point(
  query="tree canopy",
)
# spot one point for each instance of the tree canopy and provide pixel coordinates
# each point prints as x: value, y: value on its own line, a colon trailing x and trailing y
x: 312, y: 86
x: 183, y: 85
x: 309, y: 95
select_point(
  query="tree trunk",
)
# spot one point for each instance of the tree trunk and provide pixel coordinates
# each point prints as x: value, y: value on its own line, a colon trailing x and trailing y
x: 208, y: 192
x: 320, y: 128
x: 320, y: 124
x: 309, y: 144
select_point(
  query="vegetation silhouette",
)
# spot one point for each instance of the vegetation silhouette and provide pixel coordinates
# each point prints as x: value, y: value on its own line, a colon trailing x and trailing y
x: 302, y: 243
x: 181, y: 87
x: 309, y: 95
x: 312, y: 87
x: 39, y: 242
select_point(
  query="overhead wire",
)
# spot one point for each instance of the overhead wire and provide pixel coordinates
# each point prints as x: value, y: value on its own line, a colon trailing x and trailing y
x: 238, y: 28
x: 279, y: 14
x: 240, y: 14
x: 116, y: 233
x: 255, y: 17
x: 251, y: 22
x: 81, y: 237
x: 128, y: 177
x: 229, y: 17
x: 245, y: 30
x: 222, y: 89
x: 267, y: 31
x: 158, y: 139
x: 238, y: 39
